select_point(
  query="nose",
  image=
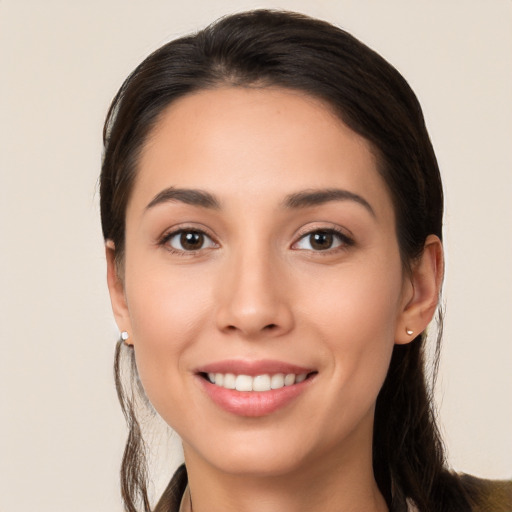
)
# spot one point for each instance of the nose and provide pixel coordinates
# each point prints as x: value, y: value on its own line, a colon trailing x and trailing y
x: 253, y: 297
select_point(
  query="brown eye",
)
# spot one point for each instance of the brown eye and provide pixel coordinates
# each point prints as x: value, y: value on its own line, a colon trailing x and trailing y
x: 322, y: 240
x: 190, y: 241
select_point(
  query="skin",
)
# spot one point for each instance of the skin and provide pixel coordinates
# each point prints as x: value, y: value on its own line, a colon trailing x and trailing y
x: 257, y: 289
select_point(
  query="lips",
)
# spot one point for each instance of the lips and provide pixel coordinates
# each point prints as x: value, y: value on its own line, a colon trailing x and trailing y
x: 254, y: 388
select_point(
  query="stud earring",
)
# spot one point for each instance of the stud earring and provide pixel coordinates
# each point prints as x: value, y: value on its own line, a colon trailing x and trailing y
x: 124, y: 335
x: 408, y: 331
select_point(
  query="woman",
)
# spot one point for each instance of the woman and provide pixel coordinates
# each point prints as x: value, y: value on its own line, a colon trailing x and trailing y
x: 272, y: 210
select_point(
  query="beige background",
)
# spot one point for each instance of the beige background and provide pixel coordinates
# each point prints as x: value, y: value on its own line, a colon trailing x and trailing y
x: 61, y: 430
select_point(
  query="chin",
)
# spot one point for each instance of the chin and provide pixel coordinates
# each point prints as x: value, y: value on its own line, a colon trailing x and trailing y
x: 261, y: 454
x: 259, y: 463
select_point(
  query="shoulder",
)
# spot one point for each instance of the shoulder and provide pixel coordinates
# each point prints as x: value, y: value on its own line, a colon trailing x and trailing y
x: 171, y: 498
x: 488, y: 495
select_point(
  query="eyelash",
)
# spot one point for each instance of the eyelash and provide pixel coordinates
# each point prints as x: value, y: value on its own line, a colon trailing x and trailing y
x: 344, y: 241
x: 166, y: 238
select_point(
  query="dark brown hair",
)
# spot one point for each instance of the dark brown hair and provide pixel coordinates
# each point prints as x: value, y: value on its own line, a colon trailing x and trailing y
x: 268, y: 48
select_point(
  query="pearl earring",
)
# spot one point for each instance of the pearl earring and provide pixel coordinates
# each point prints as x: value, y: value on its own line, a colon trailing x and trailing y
x: 124, y: 335
x: 408, y: 331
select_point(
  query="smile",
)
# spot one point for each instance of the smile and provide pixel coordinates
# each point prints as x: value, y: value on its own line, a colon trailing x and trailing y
x: 258, y: 383
x: 254, y: 388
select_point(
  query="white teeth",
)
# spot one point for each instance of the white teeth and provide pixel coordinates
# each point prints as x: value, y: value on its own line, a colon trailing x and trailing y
x: 277, y: 381
x: 289, y: 379
x: 229, y: 381
x: 263, y: 382
x: 243, y: 383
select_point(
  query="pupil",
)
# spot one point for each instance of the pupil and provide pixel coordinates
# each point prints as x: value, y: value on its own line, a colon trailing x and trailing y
x: 191, y: 240
x: 321, y: 240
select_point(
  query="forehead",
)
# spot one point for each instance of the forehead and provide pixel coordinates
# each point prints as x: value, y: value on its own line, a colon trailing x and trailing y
x: 245, y: 143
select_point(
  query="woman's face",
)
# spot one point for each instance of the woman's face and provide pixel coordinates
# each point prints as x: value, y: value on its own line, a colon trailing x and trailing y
x: 261, y: 252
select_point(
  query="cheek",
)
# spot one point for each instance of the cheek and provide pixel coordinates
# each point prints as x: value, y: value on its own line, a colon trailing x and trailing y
x: 359, y: 301
x: 355, y: 316
x: 167, y: 314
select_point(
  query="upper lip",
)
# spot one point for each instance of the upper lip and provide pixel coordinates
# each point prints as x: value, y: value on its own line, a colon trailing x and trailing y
x: 253, y: 368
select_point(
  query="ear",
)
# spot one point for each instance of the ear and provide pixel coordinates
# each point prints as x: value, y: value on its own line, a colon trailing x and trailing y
x: 116, y: 290
x: 421, y: 292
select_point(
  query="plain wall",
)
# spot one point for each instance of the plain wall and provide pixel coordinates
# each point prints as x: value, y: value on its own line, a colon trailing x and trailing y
x: 61, y: 429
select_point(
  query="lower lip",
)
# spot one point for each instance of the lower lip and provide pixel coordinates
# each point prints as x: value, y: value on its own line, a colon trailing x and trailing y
x: 253, y: 403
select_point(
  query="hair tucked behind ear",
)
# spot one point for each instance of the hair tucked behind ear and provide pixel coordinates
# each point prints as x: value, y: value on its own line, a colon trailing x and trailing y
x: 131, y: 396
x: 407, y: 450
x: 265, y: 48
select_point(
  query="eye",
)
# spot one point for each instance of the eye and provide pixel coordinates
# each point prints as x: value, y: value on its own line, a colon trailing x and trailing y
x: 322, y: 240
x: 188, y: 240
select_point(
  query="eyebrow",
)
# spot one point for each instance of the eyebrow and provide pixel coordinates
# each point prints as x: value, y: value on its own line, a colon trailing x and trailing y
x: 185, y: 195
x: 297, y: 200
x: 308, y: 198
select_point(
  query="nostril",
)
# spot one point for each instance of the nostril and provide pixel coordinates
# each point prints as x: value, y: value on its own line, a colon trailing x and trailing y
x: 268, y: 327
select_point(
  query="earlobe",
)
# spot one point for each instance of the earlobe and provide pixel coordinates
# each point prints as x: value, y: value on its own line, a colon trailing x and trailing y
x: 116, y: 291
x: 424, y: 288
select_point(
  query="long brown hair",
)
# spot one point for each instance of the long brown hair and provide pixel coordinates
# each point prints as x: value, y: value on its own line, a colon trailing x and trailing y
x: 268, y: 48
